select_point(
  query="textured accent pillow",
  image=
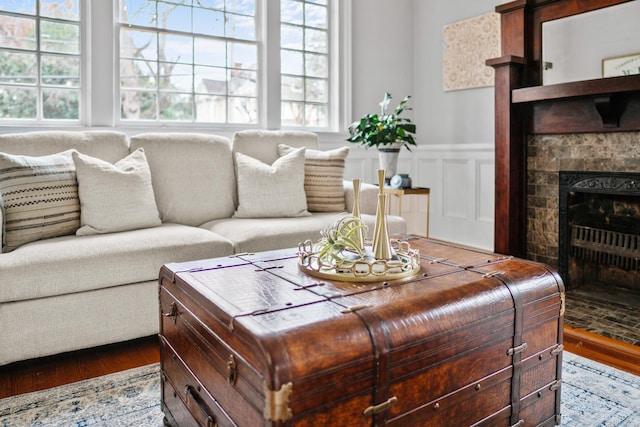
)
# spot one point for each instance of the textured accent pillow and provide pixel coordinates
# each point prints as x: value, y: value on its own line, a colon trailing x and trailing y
x: 271, y: 191
x: 115, y: 197
x: 323, y: 176
x: 39, y: 198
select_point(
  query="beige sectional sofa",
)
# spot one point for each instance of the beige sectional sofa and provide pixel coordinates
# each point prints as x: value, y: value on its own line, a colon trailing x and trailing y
x: 72, y: 291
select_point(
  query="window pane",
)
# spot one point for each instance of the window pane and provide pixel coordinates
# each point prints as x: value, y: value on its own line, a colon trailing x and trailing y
x: 292, y: 114
x: 138, y: 74
x: 315, y: 16
x: 176, y: 106
x: 243, y: 110
x: 18, y: 32
x: 210, y: 22
x: 212, y: 4
x: 291, y: 37
x: 317, y: 90
x: 240, y: 27
x: 316, y: 115
x: 20, y: 6
x: 67, y: 9
x: 59, y: 37
x: 210, y: 52
x: 292, y: 88
x: 137, y: 12
x: 138, y: 105
x: 174, y: 17
x: 19, y: 103
x: 175, y: 48
x: 305, y: 68
x: 211, y: 80
x: 60, y: 104
x: 291, y: 62
x: 211, y: 109
x: 58, y: 70
x: 244, y: 7
x: 316, y: 41
x: 291, y: 12
x: 138, y: 44
x: 316, y: 65
x: 242, y: 55
x: 243, y: 82
x: 20, y: 68
x: 176, y: 77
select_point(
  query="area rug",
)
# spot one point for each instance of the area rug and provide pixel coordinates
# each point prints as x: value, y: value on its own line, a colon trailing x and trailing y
x: 593, y: 395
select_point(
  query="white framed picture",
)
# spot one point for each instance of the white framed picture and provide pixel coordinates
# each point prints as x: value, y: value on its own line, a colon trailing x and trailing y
x: 626, y: 65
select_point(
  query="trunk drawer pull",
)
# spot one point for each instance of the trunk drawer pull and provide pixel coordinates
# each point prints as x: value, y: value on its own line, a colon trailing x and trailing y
x: 193, y: 401
x: 376, y: 409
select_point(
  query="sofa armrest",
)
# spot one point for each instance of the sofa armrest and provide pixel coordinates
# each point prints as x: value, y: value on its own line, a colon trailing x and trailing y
x: 368, y: 197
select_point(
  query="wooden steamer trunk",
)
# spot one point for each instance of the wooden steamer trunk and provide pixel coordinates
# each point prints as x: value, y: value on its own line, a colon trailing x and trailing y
x: 474, y: 339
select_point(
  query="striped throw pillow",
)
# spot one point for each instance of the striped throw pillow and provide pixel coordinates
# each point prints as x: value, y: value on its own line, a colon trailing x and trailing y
x: 323, y: 178
x: 39, y: 198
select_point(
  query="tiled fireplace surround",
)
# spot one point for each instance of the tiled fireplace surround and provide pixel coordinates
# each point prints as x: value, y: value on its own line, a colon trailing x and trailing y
x: 549, y: 154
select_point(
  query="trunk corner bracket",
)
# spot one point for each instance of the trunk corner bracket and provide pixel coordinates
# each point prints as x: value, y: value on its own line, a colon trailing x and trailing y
x: 276, y: 405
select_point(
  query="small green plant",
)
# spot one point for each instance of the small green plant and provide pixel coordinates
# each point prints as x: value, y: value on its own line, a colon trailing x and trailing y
x: 338, y: 238
x: 374, y: 130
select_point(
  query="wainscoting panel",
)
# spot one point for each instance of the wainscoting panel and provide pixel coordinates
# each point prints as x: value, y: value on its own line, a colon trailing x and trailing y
x: 457, y: 191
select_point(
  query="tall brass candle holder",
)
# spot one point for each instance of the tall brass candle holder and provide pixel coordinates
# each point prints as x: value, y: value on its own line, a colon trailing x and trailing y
x: 343, y: 254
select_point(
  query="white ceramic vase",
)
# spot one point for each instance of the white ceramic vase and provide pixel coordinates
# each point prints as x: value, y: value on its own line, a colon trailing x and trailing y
x: 388, y: 158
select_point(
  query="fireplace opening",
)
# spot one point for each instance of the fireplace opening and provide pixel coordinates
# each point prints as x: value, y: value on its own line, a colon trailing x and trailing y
x: 599, y: 233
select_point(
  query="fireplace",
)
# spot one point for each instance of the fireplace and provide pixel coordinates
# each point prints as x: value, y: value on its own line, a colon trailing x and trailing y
x: 599, y: 230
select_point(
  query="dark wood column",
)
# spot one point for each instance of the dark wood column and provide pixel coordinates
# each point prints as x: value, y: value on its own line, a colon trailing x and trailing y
x: 510, y: 160
x: 510, y: 138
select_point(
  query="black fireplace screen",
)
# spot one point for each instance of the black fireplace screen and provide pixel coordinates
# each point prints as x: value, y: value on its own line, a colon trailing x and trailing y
x: 599, y: 229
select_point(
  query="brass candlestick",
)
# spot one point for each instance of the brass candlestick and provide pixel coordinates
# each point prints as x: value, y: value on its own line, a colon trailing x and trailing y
x: 381, y: 244
x: 359, y: 237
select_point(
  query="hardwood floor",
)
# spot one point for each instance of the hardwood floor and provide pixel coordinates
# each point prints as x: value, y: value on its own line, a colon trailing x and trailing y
x: 40, y: 374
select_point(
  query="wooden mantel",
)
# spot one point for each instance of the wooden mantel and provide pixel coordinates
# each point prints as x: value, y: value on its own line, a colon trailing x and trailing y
x: 524, y: 107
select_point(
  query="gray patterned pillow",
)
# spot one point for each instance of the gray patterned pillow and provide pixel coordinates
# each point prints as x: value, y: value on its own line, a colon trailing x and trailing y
x: 39, y: 198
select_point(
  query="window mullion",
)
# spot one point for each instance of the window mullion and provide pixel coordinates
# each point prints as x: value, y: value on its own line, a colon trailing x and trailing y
x: 271, y: 64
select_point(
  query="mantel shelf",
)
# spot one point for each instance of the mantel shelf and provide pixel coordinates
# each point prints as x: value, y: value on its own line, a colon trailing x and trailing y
x: 586, y: 88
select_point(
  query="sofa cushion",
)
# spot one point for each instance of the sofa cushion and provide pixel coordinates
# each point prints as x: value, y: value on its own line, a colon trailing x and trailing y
x: 74, y: 264
x: 263, y: 144
x: 39, y: 198
x: 323, y: 178
x: 254, y: 235
x: 115, y: 197
x: 268, y: 191
x: 109, y: 146
x: 192, y: 175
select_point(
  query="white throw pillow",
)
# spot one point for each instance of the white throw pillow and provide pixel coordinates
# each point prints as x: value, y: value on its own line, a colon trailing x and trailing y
x: 271, y: 191
x: 323, y: 176
x: 115, y: 197
x: 38, y: 197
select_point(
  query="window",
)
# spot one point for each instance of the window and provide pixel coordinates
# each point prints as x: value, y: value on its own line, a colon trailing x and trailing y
x: 225, y: 64
x: 188, y: 60
x: 304, y: 34
x: 40, y: 60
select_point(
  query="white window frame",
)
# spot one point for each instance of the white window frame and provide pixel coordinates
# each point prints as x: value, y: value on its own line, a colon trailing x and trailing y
x: 100, y: 75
